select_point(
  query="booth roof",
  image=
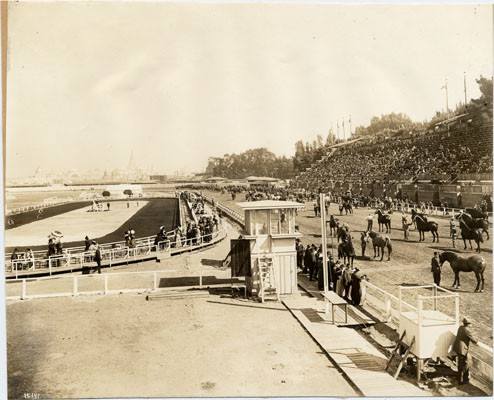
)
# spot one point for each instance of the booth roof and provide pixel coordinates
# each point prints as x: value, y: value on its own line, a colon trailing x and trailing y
x: 268, y: 204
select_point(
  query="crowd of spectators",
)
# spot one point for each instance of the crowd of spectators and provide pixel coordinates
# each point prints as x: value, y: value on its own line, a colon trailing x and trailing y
x: 445, y: 153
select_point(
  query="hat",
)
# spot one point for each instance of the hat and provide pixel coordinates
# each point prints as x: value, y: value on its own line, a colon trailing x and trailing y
x: 436, y: 253
x: 162, y: 227
x: 466, y: 322
x: 132, y: 232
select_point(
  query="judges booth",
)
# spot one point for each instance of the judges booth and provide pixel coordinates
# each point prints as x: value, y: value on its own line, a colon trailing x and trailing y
x: 265, y: 253
x: 430, y: 333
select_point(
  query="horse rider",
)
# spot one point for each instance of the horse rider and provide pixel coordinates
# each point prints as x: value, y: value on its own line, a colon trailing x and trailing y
x: 461, y: 347
x: 436, y: 268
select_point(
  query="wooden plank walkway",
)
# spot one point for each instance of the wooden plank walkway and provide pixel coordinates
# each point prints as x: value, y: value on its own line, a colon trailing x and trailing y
x: 361, y: 362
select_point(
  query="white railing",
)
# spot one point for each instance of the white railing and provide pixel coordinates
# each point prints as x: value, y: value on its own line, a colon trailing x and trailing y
x: 114, y: 255
x: 103, y: 281
x: 228, y: 211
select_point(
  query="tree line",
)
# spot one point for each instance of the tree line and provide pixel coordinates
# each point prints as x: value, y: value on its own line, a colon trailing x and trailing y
x: 262, y: 162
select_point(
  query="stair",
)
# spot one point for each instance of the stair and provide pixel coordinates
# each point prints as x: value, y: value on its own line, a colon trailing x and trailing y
x: 399, y: 354
x: 269, y: 288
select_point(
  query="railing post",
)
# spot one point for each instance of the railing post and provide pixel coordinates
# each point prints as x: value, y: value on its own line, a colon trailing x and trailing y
x: 24, y: 289
x: 388, y: 309
x: 419, y: 311
x: 457, y: 309
x: 155, y: 282
x: 49, y: 264
x: 76, y: 289
x: 106, y: 283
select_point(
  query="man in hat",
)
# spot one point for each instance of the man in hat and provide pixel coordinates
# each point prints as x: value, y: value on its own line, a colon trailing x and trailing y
x: 436, y: 268
x: 461, y: 347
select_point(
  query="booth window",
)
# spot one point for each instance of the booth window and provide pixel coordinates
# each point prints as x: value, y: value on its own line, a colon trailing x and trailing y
x: 260, y: 222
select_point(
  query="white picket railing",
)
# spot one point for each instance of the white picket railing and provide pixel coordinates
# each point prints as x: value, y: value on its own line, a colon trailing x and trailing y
x: 110, y: 256
x: 49, y: 291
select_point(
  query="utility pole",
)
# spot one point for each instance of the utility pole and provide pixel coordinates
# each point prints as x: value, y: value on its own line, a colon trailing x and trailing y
x: 322, y: 202
x: 445, y: 86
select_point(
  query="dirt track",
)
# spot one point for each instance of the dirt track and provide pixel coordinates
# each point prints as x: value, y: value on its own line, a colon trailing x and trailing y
x: 410, y: 260
x: 125, y: 346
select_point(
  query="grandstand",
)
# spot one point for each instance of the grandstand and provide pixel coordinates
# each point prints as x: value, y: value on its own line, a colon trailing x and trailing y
x: 450, y: 159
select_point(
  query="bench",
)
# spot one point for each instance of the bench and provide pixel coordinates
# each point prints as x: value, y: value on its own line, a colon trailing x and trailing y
x: 335, y: 300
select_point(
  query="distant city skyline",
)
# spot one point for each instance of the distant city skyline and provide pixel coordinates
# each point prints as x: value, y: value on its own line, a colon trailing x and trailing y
x: 89, y: 83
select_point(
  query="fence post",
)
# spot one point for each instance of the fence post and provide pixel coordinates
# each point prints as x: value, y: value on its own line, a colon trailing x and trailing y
x: 388, y: 309
x: 106, y: 283
x: 76, y: 290
x: 434, y: 290
x: 49, y: 264
x: 24, y: 289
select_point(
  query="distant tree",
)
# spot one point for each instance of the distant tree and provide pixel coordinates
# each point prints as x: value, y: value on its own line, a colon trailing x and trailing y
x: 106, y: 193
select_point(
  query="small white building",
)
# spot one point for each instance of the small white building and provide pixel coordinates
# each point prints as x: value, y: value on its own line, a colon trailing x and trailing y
x: 266, y: 248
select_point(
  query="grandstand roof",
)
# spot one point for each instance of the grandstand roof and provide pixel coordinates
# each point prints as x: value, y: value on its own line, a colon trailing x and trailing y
x: 268, y: 204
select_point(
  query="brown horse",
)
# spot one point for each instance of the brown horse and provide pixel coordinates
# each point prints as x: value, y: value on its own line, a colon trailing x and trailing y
x: 459, y: 264
x: 426, y: 226
x: 383, y: 221
x: 469, y: 234
x: 379, y: 243
x: 475, y: 223
x: 346, y: 250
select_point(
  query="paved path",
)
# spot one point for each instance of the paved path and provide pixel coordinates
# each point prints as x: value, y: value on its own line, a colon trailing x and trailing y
x: 362, y: 363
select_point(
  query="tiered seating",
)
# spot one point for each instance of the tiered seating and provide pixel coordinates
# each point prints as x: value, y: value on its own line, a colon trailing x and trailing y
x: 463, y: 149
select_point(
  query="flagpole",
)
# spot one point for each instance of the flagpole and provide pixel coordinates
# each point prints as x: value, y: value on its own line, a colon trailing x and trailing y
x: 447, y: 106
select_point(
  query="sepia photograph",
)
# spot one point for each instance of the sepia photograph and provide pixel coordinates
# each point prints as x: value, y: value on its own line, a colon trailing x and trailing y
x: 246, y: 199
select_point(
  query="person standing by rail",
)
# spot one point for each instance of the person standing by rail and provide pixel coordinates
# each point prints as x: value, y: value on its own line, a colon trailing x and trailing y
x: 461, y: 347
x: 436, y: 268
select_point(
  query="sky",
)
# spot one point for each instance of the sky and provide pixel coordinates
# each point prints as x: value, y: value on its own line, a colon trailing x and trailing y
x: 89, y: 83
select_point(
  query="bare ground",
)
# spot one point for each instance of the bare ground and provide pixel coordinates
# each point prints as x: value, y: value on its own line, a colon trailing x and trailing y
x: 125, y: 346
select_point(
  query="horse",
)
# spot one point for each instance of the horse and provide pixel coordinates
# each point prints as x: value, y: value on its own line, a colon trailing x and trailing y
x: 383, y: 220
x: 415, y: 213
x: 475, y: 223
x: 342, y: 232
x: 426, y: 226
x: 459, y: 264
x: 346, y: 250
x: 379, y: 243
x: 469, y: 234
x: 476, y: 213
